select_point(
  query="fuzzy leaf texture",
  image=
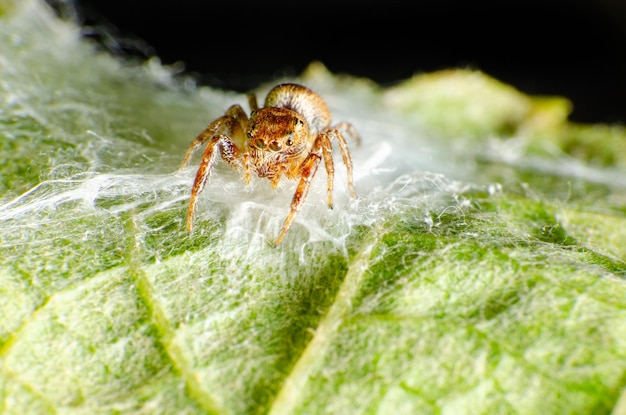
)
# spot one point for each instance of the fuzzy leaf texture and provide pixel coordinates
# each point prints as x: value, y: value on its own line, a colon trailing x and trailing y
x: 480, y: 269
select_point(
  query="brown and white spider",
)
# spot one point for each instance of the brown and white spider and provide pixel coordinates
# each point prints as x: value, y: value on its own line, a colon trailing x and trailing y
x: 288, y: 137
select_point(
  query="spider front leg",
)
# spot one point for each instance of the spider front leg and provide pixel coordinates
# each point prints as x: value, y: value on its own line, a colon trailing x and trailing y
x: 229, y: 153
x: 231, y: 123
x: 308, y: 168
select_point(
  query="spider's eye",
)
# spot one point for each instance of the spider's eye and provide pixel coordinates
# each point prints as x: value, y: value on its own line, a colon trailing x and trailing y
x: 289, y: 140
x: 274, y: 146
x: 258, y: 143
x: 249, y: 134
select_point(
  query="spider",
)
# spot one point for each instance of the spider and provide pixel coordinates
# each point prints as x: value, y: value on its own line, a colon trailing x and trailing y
x: 288, y: 137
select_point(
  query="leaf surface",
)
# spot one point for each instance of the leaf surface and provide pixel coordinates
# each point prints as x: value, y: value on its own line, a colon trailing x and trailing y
x: 480, y: 269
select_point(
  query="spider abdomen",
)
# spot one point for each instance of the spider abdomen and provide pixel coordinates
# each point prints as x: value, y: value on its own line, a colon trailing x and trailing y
x: 302, y: 100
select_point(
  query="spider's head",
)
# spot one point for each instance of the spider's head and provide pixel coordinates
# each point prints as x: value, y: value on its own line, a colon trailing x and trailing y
x: 278, y: 130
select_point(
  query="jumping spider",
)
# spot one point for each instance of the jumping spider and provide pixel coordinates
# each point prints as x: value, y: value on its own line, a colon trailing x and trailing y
x: 289, y: 136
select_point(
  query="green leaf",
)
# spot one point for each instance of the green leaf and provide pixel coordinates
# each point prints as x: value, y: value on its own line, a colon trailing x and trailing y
x: 481, y: 268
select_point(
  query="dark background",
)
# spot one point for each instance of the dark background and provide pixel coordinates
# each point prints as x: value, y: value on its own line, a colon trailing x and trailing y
x: 571, y: 48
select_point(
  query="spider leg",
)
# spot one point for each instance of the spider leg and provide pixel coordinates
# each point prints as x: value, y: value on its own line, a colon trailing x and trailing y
x: 349, y: 128
x: 254, y: 106
x: 345, y: 153
x: 308, y: 169
x: 326, y: 147
x: 247, y: 166
x: 229, y: 153
x: 233, y: 120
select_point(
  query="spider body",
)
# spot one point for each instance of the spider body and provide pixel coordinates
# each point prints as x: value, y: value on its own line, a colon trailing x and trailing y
x: 288, y: 137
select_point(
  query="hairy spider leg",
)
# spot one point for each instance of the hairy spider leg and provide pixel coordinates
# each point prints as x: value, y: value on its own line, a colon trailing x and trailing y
x: 234, y: 118
x: 327, y: 151
x: 349, y: 128
x: 252, y: 102
x: 308, y: 169
x: 309, y: 166
x: 229, y: 153
x: 336, y: 133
